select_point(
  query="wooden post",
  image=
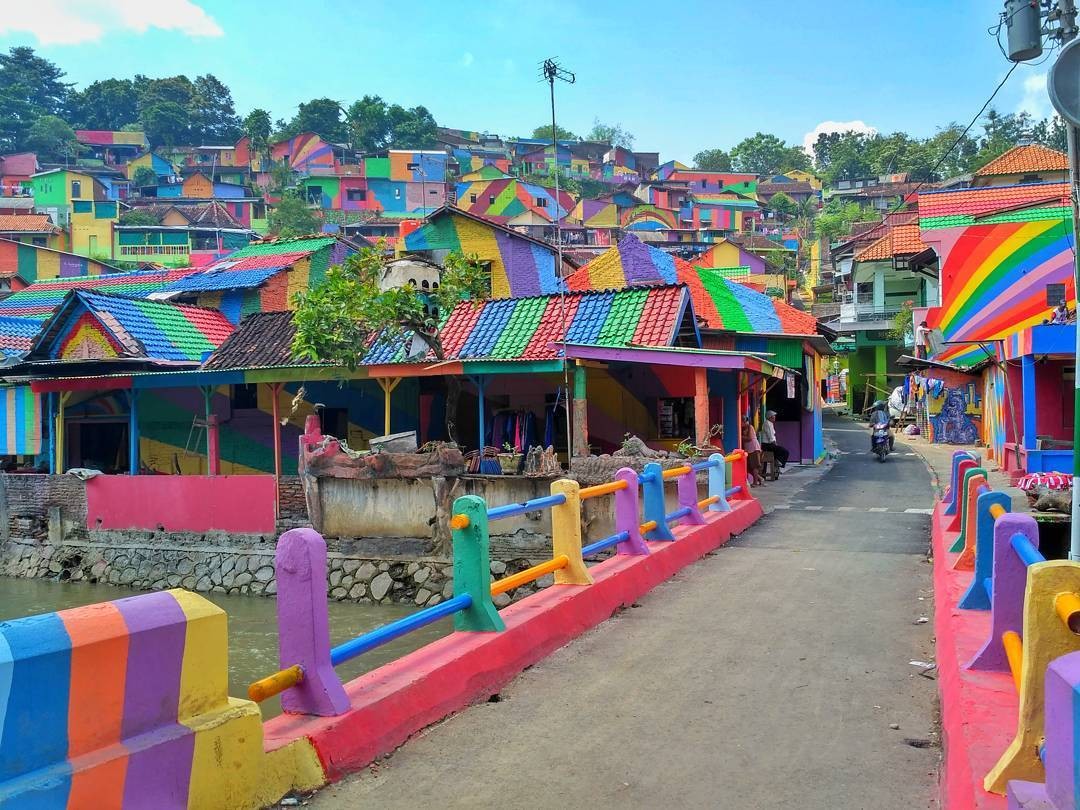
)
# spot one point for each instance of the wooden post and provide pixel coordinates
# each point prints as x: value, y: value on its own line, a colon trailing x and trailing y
x: 387, y: 384
x: 701, y: 407
x: 580, y: 440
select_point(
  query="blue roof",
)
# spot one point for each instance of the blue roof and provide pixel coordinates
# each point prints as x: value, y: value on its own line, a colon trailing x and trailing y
x: 224, y: 279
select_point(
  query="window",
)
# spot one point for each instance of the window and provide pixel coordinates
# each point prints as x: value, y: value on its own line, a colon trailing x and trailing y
x: 491, y: 200
x: 472, y: 198
x: 397, y: 193
x: 244, y: 397
x: 433, y: 191
x: 76, y: 189
x: 412, y: 167
x: 864, y: 292
x: 38, y: 241
x: 314, y: 194
x: 675, y: 417
x: 1031, y: 178
x: 541, y: 202
x: 356, y: 194
x: 1055, y: 294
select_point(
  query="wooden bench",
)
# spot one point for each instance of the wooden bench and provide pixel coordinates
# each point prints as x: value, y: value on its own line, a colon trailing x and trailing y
x: 770, y: 470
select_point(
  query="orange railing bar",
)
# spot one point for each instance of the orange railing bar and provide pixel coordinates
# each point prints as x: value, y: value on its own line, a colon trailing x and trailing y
x: 528, y: 575
x: 459, y: 522
x: 647, y: 527
x: 675, y: 472
x: 1014, y: 652
x: 601, y: 489
x: 996, y: 510
x: 708, y: 501
x: 1067, y: 606
x: 274, y: 684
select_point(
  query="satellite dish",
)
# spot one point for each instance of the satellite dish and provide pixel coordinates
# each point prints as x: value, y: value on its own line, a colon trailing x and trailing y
x: 1063, y: 83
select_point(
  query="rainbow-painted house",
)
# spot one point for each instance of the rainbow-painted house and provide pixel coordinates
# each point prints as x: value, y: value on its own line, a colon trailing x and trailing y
x: 734, y: 317
x: 1006, y: 261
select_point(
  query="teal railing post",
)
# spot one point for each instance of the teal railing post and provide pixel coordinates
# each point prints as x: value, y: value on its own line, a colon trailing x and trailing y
x: 652, y: 490
x: 472, y: 567
x: 718, y: 483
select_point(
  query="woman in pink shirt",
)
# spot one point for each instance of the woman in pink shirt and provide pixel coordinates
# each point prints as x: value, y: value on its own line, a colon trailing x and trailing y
x: 752, y: 447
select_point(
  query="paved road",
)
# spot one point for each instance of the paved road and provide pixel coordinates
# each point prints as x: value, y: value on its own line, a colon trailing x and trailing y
x: 765, y: 676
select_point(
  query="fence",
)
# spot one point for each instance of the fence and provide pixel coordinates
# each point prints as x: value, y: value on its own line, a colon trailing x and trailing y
x: 307, y: 682
x: 1033, y: 603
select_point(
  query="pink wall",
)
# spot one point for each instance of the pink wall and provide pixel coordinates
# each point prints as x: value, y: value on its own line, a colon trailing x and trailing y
x: 181, y: 503
x: 1053, y: 415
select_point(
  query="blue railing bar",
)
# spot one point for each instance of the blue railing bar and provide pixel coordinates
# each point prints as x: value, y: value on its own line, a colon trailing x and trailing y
x: 678, y: 513
x: 607, y: 542
x: 704, y: 465
x: 733, y: 491
x: 511, y: 509
x: 1028, y: 554
x: 988, y: 584
x: 388, y: 632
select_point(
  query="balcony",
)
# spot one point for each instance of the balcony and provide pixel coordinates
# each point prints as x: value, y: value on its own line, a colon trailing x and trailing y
x: 865, y: 313
x: 139, y: 251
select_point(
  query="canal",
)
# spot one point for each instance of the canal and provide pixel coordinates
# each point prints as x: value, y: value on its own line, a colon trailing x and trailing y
x: 252, y: 626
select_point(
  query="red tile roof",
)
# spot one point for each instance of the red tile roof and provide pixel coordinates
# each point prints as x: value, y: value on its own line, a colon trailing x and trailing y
x: 30, y: 223
x: 986, y: 200
x: 1026, y: 159
x: 903, y: 240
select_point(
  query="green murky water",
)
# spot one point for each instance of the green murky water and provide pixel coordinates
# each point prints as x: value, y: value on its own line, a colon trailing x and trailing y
x: 252, y: 626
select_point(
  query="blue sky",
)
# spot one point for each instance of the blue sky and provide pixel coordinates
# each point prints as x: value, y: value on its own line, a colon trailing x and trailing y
x: 680, y: 76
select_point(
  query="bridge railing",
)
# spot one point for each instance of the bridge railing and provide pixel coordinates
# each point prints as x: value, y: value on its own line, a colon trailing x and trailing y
x: 1034, y: 606
x: 307, y: 681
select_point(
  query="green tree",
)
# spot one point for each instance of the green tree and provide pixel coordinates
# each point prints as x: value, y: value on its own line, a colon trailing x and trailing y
x: 835, y: 219
x: 783, y: 205
x: 543, y: 133
x: 293, y: 217
x: 766, y: 154
x: 337, y: 319
x: 610, y: 133
x: 107, y: 104
x: 138, y: 217
x: 842, y: 155
x: 712, y: 160
x: 52, y: 137
x: 30, y: 87
x: 257, y: 127
x: 144, y: 177
x: 214, y: 119
x: 166, y: 123
x: 321, y: 116
x: 1052, y: 132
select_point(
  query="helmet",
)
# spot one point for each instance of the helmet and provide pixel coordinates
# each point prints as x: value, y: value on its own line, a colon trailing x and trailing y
x: 880, y: 403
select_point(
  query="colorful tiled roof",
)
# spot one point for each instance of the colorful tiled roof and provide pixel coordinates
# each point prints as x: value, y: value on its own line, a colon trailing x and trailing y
x: 27, y: 223
x: 1026, y: 159
x: 903, y: 240
x: 946, y: 209
x: 39, y: 300
x: 17, y: 335
x: 523, y: 328
x: 148, y: 329
x: 719, y: 302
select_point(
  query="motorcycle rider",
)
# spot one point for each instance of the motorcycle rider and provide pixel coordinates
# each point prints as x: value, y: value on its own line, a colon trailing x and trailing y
x: 879, y: 415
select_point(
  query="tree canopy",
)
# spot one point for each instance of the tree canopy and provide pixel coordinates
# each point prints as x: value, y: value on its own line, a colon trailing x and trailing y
x: 543, y: 132
x: 52, y: 137
x: 763, y: 153
x: 293, y: 217
x: 712, y: 160
x: 610, y: 133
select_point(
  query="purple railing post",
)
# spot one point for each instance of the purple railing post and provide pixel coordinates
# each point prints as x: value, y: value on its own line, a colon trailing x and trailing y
x: 951, y: 491
x: 628, y: 514
x: 686, y: 488
x: 1008, y: 584
x: 303, y: 626
x: 976, y: 596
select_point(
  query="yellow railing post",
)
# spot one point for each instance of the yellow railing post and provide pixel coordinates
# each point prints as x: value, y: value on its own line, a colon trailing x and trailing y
x: 566, y: 533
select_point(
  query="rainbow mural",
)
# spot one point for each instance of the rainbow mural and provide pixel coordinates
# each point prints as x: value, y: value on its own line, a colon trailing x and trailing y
x: 520, y: 266
x: 304, y: 152
x: 20, y: 413
x: 995, y: 270
x: 32, y: 263
x: 506, y: 198
x: 649, y: 218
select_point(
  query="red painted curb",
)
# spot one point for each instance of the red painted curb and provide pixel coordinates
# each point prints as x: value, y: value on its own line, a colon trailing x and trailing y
x: 978, y: 709
x: 397, y: 700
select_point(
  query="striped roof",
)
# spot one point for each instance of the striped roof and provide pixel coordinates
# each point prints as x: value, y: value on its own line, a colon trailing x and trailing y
x: 39, y: 300
x: 718, y: 301
x: 151, y: 330
x: 990, y: 204
x: 523, y: 328
x: 17, y: 335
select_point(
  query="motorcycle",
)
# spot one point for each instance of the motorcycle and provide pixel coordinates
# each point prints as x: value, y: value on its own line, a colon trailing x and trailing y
x: 880, y: 442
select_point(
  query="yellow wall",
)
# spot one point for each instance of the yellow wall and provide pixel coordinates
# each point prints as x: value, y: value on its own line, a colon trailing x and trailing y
x: 198, y: 186
x: 91, y: 236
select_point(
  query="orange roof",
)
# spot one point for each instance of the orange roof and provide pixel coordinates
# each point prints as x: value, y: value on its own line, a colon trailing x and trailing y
x: 26, y: 222
x: 903, y: 240
x: 1026, y: 159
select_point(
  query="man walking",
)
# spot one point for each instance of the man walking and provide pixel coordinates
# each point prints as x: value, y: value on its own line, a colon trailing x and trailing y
x: 768, y: 440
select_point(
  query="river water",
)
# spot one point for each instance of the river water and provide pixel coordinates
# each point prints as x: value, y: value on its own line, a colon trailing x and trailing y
x: 252, y: 626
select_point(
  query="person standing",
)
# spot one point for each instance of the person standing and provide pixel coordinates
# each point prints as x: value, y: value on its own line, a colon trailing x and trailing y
x: 768, y: 440
x: 753, y: 453
x: 922, y: 341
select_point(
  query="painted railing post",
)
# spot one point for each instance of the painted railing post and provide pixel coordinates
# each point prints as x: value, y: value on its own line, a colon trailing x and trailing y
x: 1008, y: 583
x: 652, y: 492
x: 738, y: 476
x: 951, y: 492
x: 977, y: 486
x: 566, y: 533
x: 687, y: 491
x: 303, y: 627
x: 973, y: 479
x: 976, y: 597
x: 961, y: 470
x: 628, y: 514
x: 472, y: 567
x: 718, y: 484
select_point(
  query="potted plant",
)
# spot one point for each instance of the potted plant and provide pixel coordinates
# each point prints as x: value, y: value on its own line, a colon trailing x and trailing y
x: 509, y: 459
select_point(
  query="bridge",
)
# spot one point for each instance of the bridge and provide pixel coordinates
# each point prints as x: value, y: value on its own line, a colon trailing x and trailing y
x: 702, y: 655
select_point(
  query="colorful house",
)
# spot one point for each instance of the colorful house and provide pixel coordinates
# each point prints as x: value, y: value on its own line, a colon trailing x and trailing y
x: 32, y: 229
x: 80, y: 203
x: 1006, y: 257
x: 705, y: 182
x: 15, y: 173
x: 514, y: 202
x: 519, y: 264
x: 110, y: 148
x: 1028, y: 163
x: 306, y: 153
x: 23, y: 264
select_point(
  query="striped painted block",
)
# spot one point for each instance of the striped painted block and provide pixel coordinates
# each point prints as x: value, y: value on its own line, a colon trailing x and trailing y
x: 20, y: 413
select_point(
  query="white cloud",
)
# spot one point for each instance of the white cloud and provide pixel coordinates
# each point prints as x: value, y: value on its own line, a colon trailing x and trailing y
x: 467, y: 59
x: 71, y: 22
x: 833, y: 126
x: 1035, y: 100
